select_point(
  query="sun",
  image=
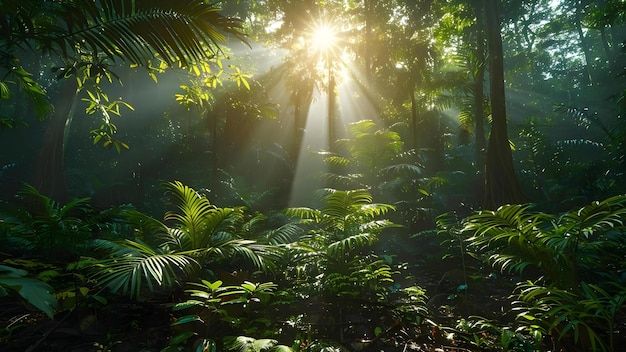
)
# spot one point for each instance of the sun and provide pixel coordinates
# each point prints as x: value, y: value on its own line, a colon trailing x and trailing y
x: 323, y: 38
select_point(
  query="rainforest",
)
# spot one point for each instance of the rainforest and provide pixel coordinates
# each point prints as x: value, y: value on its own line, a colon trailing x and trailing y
x: 312, y: 176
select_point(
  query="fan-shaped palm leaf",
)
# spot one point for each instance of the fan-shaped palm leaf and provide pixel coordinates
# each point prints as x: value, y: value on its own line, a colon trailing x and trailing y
x: 304, y: 213
x: 193, y: 208
x: 284, y: 234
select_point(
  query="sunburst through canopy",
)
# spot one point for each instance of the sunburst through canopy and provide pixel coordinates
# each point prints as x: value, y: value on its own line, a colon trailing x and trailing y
x: 324, y: 39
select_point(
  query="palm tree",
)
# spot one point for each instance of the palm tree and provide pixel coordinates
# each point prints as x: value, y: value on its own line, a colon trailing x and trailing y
x: 201, y: 235
x: 341, y: 231
x: 336, y: 254
x: 373, y: 158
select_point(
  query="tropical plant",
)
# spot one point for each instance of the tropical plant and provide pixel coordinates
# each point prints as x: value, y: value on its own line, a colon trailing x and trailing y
x: 348, y: 221
x: 249, y: 344
x: 374, y: 159
x: 565, y: 249
x: 574, y: 263
x: 213, y: 305
x: 584, y: 317
x: 201, y: 236
x: 334, y: 258
x: 53, y: 230
x: 180, y: 33
x: 488, y: 335
x: 35, y: 292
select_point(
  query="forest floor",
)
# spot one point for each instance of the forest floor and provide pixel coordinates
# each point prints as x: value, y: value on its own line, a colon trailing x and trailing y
x: 123, y: 325
x: 130, y: 326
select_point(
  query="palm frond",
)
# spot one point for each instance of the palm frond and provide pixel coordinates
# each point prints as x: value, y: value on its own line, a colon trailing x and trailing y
x: 175, y: 239
x: 376, y: 226
x: 340, y: 248
x: 338, y: 204
x: 135, y: 264
x: 192, y: 206
x: 597, y: 217
x: 397, y: 169
x: 284, y: 234
x: 337, y: 160
x: 177, y: 31
x: 249, y: 344
x: 375, y: 209
x: 304, y: 213
x: 203, y: 223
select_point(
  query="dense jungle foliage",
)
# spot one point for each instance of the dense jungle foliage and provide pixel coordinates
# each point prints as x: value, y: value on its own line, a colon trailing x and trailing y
x: 312, y: 176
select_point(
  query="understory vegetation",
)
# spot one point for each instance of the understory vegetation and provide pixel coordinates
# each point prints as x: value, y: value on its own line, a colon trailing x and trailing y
x: 310, y: 279
x: 312, y: 176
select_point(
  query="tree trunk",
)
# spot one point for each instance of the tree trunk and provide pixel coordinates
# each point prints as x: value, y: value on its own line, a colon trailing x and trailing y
x: 368, y: 35
x: 331, y: 110
x: 49, y: 176
x: 501, y: 186
x: 414, y: 118
x: 584, y: 44
x: 479, y: 86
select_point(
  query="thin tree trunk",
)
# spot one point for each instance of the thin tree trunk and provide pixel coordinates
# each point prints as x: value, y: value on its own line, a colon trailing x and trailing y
x: 49, y: 176
x: 501, y: 185
x: 414, y: 118
x: 479, y: 86
x: 607, y: 47
x: 584, y: 44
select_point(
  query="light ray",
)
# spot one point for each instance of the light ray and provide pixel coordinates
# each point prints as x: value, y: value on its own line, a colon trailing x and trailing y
x: 310, y: 164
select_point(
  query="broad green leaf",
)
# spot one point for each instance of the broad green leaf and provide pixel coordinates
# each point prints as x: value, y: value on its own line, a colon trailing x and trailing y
x: 34, y: 291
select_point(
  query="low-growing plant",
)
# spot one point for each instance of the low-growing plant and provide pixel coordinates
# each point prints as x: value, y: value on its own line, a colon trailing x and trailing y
x: 218, y: 309
x: 35, y: 292
x: 166, y: 254
x: 573, y: 264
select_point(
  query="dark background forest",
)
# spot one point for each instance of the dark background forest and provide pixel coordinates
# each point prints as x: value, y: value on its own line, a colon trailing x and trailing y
x: 295, y: 175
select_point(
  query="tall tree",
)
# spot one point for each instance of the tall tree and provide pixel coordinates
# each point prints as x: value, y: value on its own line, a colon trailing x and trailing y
x: 479, y: 86
x: 501, y: 185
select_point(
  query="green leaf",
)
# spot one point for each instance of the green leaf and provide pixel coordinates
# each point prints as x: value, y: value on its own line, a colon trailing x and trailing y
x: 5, y: 93
x: 187, y: 319
x: 181, y: 338
x: 34, y: 291
x: 187, y: 304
